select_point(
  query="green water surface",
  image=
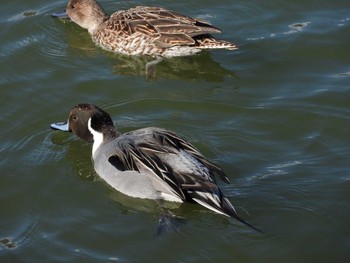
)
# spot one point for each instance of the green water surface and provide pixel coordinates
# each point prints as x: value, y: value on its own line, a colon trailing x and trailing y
x: 274, y: 114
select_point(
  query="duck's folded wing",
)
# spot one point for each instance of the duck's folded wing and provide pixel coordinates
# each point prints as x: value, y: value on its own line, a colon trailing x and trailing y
x: 172, y: 140
x: 144, y: 158
x: 166, y: 27
x: 200, y: 188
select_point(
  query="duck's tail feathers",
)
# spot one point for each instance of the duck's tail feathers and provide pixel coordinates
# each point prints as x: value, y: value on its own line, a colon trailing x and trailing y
x: 219, y: 204
x: 213, y: 43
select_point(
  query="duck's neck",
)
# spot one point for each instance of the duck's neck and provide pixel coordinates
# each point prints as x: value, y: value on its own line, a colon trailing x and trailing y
x: 98, y: 141
x: 101, y: 138
x: 99, y: 16
x: 110, y: 134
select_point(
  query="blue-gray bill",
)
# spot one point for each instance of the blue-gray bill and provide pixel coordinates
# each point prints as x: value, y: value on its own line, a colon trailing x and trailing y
x: 61, y: 126
x: 61, y: 15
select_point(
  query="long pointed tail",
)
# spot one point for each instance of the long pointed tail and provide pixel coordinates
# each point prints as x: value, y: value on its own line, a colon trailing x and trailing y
x: 231, y: 212
x: 218, y: 203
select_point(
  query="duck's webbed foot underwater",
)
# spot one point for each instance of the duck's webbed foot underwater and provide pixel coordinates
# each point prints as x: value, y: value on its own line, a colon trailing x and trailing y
x: 150, y: 67
x: 169, y: 223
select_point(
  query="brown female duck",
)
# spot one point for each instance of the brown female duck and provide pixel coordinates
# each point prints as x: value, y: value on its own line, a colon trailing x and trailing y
x: 143, y: 30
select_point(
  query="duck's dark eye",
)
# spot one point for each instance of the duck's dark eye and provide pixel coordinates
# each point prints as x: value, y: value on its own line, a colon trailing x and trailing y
x: 74, y: 118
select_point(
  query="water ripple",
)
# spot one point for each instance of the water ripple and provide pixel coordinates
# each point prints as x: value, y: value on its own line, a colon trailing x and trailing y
x: 29, y: 232
x: 342, y: 75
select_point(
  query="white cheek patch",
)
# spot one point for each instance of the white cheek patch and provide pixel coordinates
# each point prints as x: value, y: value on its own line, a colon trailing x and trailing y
x: 98, y: 138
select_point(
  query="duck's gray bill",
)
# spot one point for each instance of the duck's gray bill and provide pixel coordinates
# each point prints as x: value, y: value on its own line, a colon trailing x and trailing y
x: 62, y: 15
x: 60, y: 126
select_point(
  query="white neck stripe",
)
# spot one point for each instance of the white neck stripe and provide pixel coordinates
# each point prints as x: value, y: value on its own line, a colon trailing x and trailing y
x: 98, y: 138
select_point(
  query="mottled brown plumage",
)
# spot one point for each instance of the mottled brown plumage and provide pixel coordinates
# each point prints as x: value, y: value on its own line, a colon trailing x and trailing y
x: 145, y: 30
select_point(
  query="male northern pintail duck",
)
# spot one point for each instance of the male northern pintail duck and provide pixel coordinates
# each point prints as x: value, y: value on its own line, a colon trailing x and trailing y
x: 149, y: 163
x: 143, y: 30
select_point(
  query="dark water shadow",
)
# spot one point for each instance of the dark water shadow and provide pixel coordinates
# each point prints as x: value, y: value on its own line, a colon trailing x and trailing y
x: 200, y: 67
